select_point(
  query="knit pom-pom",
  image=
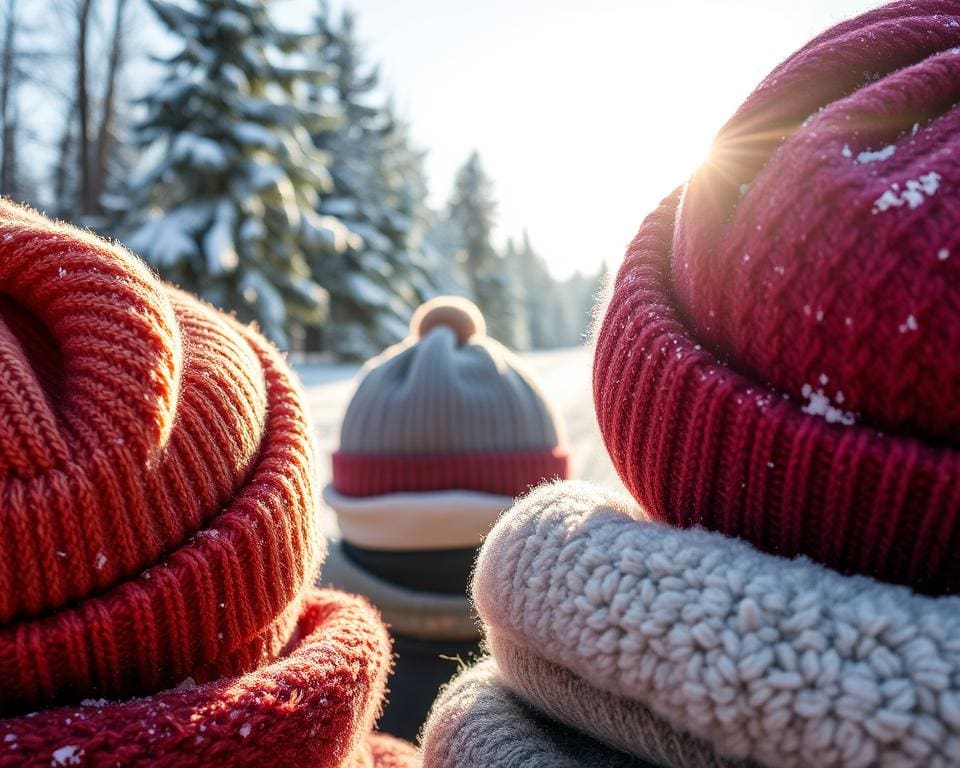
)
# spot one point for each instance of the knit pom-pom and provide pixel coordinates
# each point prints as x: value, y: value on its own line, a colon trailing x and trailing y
x: 454, y: 312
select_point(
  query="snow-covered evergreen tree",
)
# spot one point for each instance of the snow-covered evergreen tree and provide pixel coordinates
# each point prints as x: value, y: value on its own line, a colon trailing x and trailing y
x: 471, y: 213
x: 229, y: 205
x: 379, y: 192
x: 545, y: 312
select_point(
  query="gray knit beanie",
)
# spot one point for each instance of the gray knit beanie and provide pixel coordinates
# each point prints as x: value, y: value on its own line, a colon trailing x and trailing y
x: 446, y: 410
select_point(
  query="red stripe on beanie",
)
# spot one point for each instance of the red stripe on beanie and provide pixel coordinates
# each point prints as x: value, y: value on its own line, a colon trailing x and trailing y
x: 504, y: 474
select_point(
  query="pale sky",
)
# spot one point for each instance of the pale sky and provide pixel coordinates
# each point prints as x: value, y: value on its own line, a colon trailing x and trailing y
x: 585, y: 114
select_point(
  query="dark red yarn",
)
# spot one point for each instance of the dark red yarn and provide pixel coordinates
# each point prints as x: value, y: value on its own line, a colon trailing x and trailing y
x: 780, y: 360
x: 510, y: 473
x: 313, y: 708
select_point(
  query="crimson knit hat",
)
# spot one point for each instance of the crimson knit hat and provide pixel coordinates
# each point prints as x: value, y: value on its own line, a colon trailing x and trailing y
x: 447, y: 409
x: 780, y: 360
x: 158, y: 526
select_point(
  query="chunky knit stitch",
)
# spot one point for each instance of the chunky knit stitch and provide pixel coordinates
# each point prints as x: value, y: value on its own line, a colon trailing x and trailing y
x: 157, y: 507
x: 477, y: 723
x: 784, y: 662
x: 313, y: 707
x: 158, y: 528
x: 779, y: 361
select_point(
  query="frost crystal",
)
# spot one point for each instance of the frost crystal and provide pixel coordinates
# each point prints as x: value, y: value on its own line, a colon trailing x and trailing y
x: 68, y: 755
x: 909, y: 325
x: 819, y: 405
x: 872, y: 157
x: 917, y: 190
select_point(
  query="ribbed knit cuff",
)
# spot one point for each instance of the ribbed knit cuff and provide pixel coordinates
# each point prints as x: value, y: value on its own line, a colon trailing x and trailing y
x: 700, y: 443
x: 212, y: 604
x: 505, y: 474
x: 312, y: 708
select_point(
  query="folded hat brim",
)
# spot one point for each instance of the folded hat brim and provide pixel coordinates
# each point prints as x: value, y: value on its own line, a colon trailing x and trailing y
x: 477, y: 722
x: 404, y: 522
x: 622, y: 723
x: 408, y: 612
x: 507, y: 473
x: 700, y: 443
x: 312, y: 707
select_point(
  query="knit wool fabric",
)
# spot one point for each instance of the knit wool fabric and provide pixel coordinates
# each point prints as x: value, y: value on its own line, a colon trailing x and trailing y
x: 157, y: 508
x: 408, y: 612
x: 408, y: 522
x: 447, y: 409
x: 159, y: 528
x: 389, y: 752
x: 622, y: 723
x: 313, y: 708
x: 780, y: 661
x: 477, y: 723
x: 780, y: 360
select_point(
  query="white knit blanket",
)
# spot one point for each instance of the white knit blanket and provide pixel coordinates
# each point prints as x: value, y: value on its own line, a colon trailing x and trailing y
x: 781, y: 661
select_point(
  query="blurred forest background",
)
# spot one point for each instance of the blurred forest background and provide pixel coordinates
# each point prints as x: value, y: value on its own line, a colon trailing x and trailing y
x: 262, y: 166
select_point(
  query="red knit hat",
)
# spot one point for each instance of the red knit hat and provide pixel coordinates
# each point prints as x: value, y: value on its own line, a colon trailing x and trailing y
x: 158, y: 523
x: 780, y: 360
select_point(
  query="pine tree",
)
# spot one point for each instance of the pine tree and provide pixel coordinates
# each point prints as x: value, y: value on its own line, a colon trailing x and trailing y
x: 379, y: 193
x: 229, y: 206
x: 545, y: 312
x: 471, y: 213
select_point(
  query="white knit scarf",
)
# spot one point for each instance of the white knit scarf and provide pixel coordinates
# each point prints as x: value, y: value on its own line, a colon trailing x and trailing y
x: 781, y: 661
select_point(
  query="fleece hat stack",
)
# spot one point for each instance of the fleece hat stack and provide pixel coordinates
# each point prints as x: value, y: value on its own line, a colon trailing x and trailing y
x: 444, y: 430
x: 158, y: 528
x: 775, y: 383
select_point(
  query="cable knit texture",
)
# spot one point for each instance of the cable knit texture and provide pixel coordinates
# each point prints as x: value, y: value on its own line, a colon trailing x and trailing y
x: 312, y: 708
x: 781, y: 661
x: 779, y: 359
x: 159, y: 527
x: 477, y: 723
x: 447, y: 409
x: 620, y: 722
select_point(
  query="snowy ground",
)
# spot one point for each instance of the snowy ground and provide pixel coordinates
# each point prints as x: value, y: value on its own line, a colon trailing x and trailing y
x: 565, y: 375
